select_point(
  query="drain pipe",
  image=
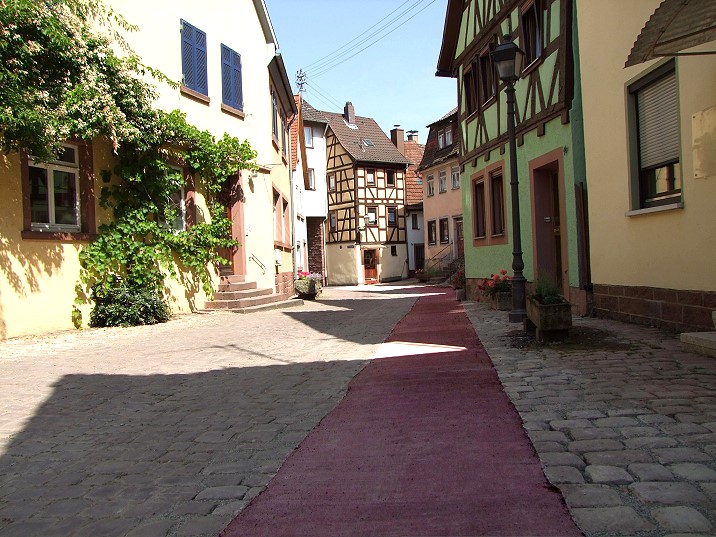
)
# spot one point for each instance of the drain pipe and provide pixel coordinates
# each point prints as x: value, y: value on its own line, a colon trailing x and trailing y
x: 293, y: 198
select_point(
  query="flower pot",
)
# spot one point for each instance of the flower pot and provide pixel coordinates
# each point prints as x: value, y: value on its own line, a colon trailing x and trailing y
x: 501, y: 301
x: 308, y: 289
x: 552, y: 321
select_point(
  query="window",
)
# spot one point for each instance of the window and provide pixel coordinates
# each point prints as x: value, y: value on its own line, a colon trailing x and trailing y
x: 441, y: 139
x: 393, y: 250
x: 531, y: 33
x: 469, y: 88
x: 372, y: 216
x: 442, y: 181
x: 455, y: 177
x: 193, y: 58
x: 432, y: 232
x: 479, y: 209
x: 497, y: 204
x: 448, y: 135
x: 333, y: 221
x: 414, y: 224
x: 231, y: 90
x: 655, y: 104
x: 392, y: 216
x: 55, y: 192
x: 390, y: 177
x: 176, y: 211
x: 308, y: 136
x: 284, y: 146
x: 488, y: 80
x: 370, y: 177
x: 488, y: 212
x: 274, y: 115
x: 444, y: 231
x: 311, y: 179
x: 331, y: 182
x: 430, y: 186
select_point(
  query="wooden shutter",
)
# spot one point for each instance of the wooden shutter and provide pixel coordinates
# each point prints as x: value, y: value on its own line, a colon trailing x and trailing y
x: 226, y: 85
x: 187, y: 55
x: 658, y: 113
x: 236, y: 80
x: 202, y: 84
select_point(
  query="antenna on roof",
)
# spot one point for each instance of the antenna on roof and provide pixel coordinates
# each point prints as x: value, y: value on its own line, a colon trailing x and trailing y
x: 301, y: 80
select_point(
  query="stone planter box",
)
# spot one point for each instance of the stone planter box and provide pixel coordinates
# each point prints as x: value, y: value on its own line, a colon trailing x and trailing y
x: 550, y: 321
x: 501, y: 301
x: 308, y: 289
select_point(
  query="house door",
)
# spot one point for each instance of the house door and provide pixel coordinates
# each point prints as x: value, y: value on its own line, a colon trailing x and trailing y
x: 227, y: 268
x: 548, y: 227
x: 459, y: 239
x: 370, y: 266
x: 419, y: 253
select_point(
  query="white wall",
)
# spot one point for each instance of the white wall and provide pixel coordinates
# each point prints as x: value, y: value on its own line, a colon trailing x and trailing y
x: 414, y: 236
x: 316, y: 201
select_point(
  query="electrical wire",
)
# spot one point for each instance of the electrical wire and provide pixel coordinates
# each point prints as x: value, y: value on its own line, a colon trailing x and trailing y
x: 329, y: 67
x: 324, y: 93
x: 356, y: 37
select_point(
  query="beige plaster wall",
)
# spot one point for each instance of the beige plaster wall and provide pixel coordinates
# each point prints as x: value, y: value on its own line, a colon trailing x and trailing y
x: 343, y: 265
x: 445, y: 205
x: 670, y: 249
x: 393, y: 266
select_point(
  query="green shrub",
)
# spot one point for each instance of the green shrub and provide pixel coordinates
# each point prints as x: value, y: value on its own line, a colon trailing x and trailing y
x: 548, y: 291
x: 121, y: 304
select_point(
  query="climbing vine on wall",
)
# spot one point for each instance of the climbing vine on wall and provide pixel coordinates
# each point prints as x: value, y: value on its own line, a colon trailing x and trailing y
x: 61, y: 78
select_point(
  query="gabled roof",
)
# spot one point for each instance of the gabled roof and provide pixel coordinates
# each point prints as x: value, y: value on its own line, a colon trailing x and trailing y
x: 453, y: 17
x: 265, y: 21
x: 353, y: 139
x: 311, y: 114
x: 432, y: 154
x: 413, y: 184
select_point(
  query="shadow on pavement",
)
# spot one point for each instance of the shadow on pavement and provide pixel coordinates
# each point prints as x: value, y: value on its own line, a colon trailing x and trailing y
x: 175, y: 454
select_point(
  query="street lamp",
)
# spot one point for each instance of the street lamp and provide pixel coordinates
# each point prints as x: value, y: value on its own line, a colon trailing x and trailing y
x: 508, y: 59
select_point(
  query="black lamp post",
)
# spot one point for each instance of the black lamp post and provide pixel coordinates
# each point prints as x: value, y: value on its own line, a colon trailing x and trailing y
x: 508, y: 59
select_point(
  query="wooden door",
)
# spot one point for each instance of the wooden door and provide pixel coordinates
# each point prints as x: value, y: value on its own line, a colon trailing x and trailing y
x: 370, y: 266
x: 459, y: 238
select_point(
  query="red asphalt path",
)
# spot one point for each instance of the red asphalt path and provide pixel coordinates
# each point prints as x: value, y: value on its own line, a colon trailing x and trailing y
x: 425, y: 444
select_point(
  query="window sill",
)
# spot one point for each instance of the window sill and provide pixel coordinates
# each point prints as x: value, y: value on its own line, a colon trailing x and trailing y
x: 274, y: 141
x: 188, y: 92
x: 531, y: 66
x: 58, y: 236
x: 232, y: 111
x: 657, y: 209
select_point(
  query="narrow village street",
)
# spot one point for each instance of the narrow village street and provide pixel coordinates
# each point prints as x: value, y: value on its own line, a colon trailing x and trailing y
x: 173, y: 429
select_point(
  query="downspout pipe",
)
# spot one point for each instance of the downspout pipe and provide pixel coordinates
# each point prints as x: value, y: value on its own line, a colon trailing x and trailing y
x: 293, y: 199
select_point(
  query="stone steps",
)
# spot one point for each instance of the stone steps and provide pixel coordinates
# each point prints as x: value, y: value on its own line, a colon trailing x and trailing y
x: 239, y: 296
x: 701, y: 342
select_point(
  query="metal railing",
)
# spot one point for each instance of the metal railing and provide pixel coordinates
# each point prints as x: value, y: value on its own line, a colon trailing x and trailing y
x: 253, y: 258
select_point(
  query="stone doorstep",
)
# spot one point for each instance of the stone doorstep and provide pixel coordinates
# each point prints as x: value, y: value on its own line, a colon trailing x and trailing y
x: 700, y: 342
x: 281, y: 304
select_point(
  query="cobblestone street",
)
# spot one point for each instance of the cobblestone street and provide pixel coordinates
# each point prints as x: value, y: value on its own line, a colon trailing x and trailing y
x: 624, y: 422
x: 172, y: 429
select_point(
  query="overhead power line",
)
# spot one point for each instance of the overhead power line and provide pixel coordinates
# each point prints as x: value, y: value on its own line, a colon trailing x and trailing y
x: 341, y: 59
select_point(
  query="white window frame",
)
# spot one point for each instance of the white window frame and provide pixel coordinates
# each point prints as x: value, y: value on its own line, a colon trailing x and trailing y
x: 441, y: 139
x: 308, y: 136
x: 442, y: 181
x: 455, y: 177
x: 50, y: 167
x: 448, y: 136
x: 371, y: 211
x: 311, y: 179
x: 370, y: 177
x: 430, y: 188
x: 331, y: 182
x: 182, y: 205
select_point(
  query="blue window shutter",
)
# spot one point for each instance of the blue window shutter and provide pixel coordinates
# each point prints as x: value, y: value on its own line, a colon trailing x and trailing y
x: 226, y: 86
x: 202, y: 83
x: 187, y: 55
x: 236, y: 81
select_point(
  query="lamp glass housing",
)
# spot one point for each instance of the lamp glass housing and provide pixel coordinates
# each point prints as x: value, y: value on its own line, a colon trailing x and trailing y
x: 508, y: 58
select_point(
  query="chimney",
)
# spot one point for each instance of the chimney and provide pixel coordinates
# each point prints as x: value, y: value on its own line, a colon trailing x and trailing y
x: 413, y: 136
x: 398, y: 138
x: 349, y: 113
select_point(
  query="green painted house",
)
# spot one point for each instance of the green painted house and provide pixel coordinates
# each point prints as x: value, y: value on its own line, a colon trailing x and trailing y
x: 549, y: 135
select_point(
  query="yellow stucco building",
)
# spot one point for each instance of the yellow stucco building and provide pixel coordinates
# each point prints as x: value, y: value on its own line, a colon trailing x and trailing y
x: 650, y: 139
x: 39, y: 265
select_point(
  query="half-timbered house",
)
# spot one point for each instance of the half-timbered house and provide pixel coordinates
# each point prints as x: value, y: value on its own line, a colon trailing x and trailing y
x: 550, y: 161
x: 365, y: 175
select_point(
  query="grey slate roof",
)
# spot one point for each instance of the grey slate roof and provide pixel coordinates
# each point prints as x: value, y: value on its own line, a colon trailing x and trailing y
x: 382, y: 149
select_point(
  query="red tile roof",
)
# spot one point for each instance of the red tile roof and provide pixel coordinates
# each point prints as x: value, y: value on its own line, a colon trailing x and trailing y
x: 413, y: 182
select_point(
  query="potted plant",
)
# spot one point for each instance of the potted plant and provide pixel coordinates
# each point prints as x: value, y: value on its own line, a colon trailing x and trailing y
x: 424, y: 275
x: 548, y: 311
x: 308, y: 285
x: 498, y: 290
x: 457, y: 280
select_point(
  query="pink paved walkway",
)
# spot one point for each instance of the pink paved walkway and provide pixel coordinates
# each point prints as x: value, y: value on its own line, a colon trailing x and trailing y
x: 422, y: 445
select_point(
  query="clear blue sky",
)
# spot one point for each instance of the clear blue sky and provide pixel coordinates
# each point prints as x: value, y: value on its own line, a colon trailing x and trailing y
x: 392, y: 81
